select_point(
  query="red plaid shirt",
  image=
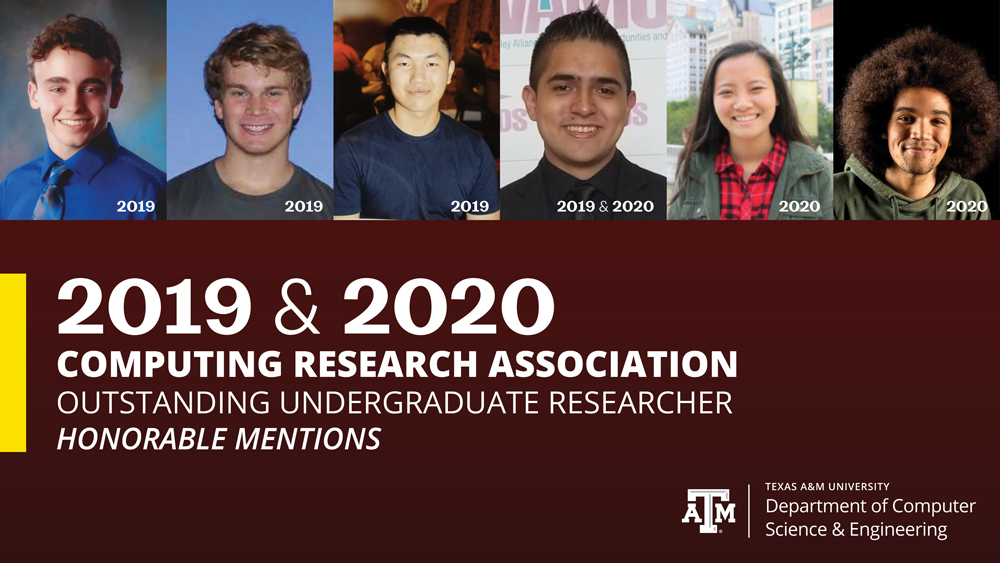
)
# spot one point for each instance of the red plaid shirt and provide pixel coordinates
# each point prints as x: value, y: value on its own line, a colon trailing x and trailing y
x: 748, y: 200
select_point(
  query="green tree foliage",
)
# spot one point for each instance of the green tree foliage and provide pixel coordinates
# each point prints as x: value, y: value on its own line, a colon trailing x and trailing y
x: 679, y: 116
x: 825, y: 137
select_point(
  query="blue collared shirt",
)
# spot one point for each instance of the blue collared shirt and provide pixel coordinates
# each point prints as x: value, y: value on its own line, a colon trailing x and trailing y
x: 108, y: 182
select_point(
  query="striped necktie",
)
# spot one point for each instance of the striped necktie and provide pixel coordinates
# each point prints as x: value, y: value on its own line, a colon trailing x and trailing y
x: 50, y: 204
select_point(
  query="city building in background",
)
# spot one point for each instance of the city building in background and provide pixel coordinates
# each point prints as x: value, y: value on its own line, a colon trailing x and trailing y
x: 687, y: 56
x: 698, y: 9
x: 793, y: 47
x: 742, y: 20
x: 804, y: 30
x: 822, y: 39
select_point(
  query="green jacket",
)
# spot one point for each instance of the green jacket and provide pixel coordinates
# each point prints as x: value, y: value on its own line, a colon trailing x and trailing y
x: 805, y: 183
x: 859, y: 194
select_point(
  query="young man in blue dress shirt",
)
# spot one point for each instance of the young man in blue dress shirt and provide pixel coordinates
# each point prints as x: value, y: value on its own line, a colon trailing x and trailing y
x: 76, y: 79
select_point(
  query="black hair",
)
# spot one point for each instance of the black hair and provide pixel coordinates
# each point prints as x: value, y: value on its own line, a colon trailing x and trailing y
x: 415, y: 26
x: 482, y: 37
x: 708, y: 133
x: 340, y: 25
x: 584, y: 25
x: 922, y: 58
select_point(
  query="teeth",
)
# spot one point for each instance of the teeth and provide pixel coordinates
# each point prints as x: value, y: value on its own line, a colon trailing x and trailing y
x: 577, y: 129
x: 74, y: 122
x: 744, y: 118
x: 256, y: 128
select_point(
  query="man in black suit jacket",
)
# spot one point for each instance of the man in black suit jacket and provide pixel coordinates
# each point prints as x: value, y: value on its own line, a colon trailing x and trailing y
x: 580, y: 95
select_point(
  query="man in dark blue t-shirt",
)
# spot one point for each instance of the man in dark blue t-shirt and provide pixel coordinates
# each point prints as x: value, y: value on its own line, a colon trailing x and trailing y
x: 413, y: 162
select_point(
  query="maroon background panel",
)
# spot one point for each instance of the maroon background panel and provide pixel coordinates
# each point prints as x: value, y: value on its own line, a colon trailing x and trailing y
x: 866, y: 353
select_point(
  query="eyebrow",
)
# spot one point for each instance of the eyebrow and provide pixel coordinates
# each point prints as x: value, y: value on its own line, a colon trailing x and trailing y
x: 63, y: 80
x: 730, y: 85
x: 933, y: 112
x: 244, y: 87
x: 574, y: 78
x: 431, y: 56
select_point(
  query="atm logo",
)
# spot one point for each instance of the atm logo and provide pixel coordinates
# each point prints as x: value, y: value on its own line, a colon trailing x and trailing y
x: 722, y: 513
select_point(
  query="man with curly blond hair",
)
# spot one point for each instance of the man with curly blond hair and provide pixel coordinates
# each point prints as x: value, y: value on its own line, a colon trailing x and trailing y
x: 258, y: 81
x: 920, y: 117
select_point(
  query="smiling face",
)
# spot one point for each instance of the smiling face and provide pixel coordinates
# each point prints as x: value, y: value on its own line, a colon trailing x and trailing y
x: 581, y: 106
x: 73, y: 91
x: 418, y: 70
x: 744, y: 95
x: 257, y: 108
x: 919, y: 130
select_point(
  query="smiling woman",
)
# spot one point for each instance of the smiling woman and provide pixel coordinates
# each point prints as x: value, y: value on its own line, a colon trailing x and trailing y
x: 746, y: 156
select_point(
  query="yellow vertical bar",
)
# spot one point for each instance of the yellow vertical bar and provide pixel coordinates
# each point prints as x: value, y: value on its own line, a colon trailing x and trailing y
x: 13, y: 363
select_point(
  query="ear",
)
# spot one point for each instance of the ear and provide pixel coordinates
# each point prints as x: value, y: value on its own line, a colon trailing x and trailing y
x: 885, y: 136
x: 530, y: 99
x: 631, y: 100
x: 451, y: 70
x: 296, y: 111
x: 218, y: 109
x: 385, y: 72
x: 116, y: 95
x: 33, y: 95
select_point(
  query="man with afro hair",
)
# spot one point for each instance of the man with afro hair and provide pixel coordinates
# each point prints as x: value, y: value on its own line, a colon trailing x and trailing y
x: 920, y: 117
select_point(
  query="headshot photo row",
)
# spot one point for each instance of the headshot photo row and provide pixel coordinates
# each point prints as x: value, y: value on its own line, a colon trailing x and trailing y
x: 510, y: 110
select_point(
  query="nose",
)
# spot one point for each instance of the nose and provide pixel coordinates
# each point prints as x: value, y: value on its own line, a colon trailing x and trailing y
x: 742, y: 102
x: 419, y: 75
x: 583, y: 102
x: 920, y: 129
x: 255, y: 105
x: 76, y: 102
